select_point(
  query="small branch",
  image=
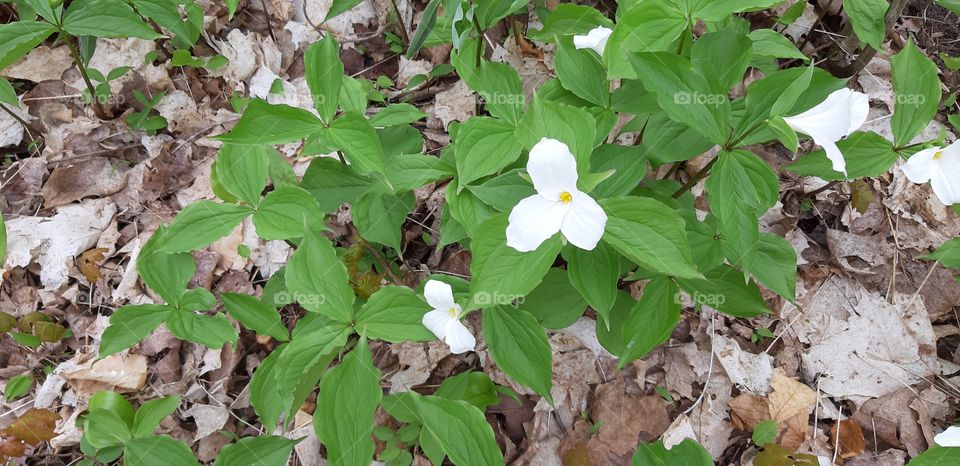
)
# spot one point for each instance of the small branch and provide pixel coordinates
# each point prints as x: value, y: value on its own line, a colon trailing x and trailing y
x: 696, y: 178
x: 401, y: 25
x: 26, y: 126
x: 94, y: 101
x: 266, y: 14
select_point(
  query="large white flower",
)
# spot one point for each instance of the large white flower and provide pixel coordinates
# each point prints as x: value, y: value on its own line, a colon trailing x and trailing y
x: 558, y: 204
x: 444, y: 319
x: 843, y: 112
x: 941, y: 167
x: 949, y: 437
x: 596, y: 39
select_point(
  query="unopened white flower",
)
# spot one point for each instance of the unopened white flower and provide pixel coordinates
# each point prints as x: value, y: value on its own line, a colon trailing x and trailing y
x: 444, y: 319
x: 596, y: 39
x: 558, y: 204
x: 949, y: 437
x: 843, y: 112
x: 939, y: 166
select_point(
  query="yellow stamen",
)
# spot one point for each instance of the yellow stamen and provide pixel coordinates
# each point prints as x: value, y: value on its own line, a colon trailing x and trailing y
x: 938, y: 155
x: 453, y: 312
x: 566, y: 197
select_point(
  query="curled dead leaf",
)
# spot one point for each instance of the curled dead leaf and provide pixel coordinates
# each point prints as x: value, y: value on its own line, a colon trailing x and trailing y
x: 847, y: 437
x: 89, y: 263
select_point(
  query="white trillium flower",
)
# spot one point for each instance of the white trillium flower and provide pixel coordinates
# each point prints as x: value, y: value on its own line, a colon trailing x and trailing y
x: 444, y: 319
x: 843, y: 112
x: 941, y: 167
x: 596, y: 39
x: 949, y: 437
x: 558, y: 204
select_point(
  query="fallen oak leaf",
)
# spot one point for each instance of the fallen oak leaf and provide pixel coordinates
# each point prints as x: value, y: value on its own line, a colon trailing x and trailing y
x: 35, y: 426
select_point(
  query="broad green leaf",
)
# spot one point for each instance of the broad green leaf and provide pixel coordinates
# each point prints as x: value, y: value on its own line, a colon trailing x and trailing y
x: 150, y: 414
x: 411, y: 171
x: 263, y: 123
x: 242, y: 171
x: 346, y: 402
x: 353, y: 134
x: 867, y: 18
x: 324, y: 73
x: 210, y: 331
x: 765, y: 432
x: 785, y: 134
x: 775, y: 265
x: 264, y: 391
x: 158, y: 450
x: 396, y: 114
x: 686, y: 453
x: 305, y: 360
x: 504, y: 191
x: 484, y: 146
x: 473, y: 387
x: 723, y: 289
x: 937, y: 455
x: 379, y: 216
x: 499, y: 86
x: 106, y: 18
x: 595, y: 274
x: 19, y: 38
x: 952, y: 5
x: 255, y: 315
x: 105, y: 428
x: 338, y: 7
x: 231, y: 7
x: 394, y: 313
x: 722, y: 58
x: 554, y: 303
x: 263, y: 450
x: 8, y: 96
x: 166, y: 13
x: 17, y: 386
x: 165, y: 274
x: 648, y: 26
x: 466, y: 208
x: 318, y: 280
x: 518, y: 345
x: 650, y: 234
x: 285, y: 212
x: 460, y: 430
x: 710, y: 10
x: 201, y: 223
x: 333, y: 183
x: 570, y: 125
x: 667, y: 141
x: 489, y: 12
x: 916, y: 88
x: 427, y: 21
x: 947, y: 254
x: 867, y: 154
x: 581, y: 72
x: 651, y: 321
x: 129, y: 325
x: 113, y: 402
x: 197, y: 299
x: 770, y: 43
x: 569, y: 18
x: 502, y: 274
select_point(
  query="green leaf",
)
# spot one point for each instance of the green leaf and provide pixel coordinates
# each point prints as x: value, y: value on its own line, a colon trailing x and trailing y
x: 263, y: 450
x: 150, y: 414
x: 231, y: 8
x: 723, y: 289
x: 324, y: 72
x: 460, y: 430
x: 765, y: 432
x: 867, y: 154
x: 465, y: 208
x: 504, y: 191
x: 686, y: 453
x: 411, y: 171
x: 166, y: 13
x: 105, y: 428
x: 519, y: 346
x: 427, y: 21
x: 318, y: 280
x: 785, y: 134
x: 581, y: 72
x: 353, y: 134
x: 333, y: 183
x: 129, y: 325
x: 114, y: 403
x: 264, y: 391
x: 595, y: 274
x: 338, y: 7
x: 394, y: 313
x: 937, y: 455
x: 947, y: 254
x: 571, y: 125
x: 19, y: 38
x: 165, y: 274
x: 210, y: 331
x: 775, y: 266
x: 17, y: 386
x: 709, y: 10
x: 8, y: 95
x: 770, y: 43
x: 242, y: 170
x: 255, y: 315
x: 722, y: 58
x: 396, y: 114
x: 916, y: 88
x: 379, y: 216
x: 263, y: 123
x: 159, y: 450
x: 651, y: 321
x: 502, y: 274
x: 489, y: 12
x: 648, y: 26
x: 473, y: 387
x: 569, y: 18
x: 650, y: 234
x: 105, y: 18
x: 554, y: 303
x: 346, y: 402
x: 867, y: 18
x: 499, y: 86
x: 201, y: 223
x: 484, y: 146
x: 285, y: 212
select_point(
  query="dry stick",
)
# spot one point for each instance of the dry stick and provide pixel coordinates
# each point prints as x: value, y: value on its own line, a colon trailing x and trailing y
x: 94, y: 101
x: 400, y: 24
x: 266, y: 14
x: 846, y: 71
x: 26, y: 126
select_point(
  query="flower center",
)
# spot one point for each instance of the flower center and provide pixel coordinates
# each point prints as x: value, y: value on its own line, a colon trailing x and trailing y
x: 453, y: 312
x: 938, y: 155
x: 566, y: 197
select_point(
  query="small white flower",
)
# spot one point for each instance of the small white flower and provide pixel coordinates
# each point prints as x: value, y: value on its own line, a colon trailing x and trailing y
x: 949, y: 437
x: 444, y: 319
x: 558, y: 204
x: 843, y: 112
x: 596, y: 39
x: 941, y: 167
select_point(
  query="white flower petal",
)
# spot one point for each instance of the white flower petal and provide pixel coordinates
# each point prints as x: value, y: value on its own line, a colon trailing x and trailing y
x: 439, y: 294
x: 840, y: 114
x: 859, y: 109
x: 459, y: 338
x: 920, y: 166
x: 949, y: 437
x: 596, y: 39
x: 946, y: 179
x: 534, y: 220
x: 833, y: 154
x: 552, y: 168
x: 437, y: 322
x: 583, y: 225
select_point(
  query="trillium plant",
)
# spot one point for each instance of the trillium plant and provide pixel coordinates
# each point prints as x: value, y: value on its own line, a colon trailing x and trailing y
x: 626, y: 179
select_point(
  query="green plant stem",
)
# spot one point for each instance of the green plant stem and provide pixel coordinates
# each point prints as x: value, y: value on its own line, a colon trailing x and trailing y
x: 97, y: 108
x: 696, y: 178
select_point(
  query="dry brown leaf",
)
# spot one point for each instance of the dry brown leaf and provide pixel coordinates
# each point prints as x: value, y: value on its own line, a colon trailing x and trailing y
x: 789, y: 398
x: 35, y: 426
x: 847, y: 436
x: 89, y: 263
x: 121, y: 371
x: 747, y: 411
x: 627, y: 419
